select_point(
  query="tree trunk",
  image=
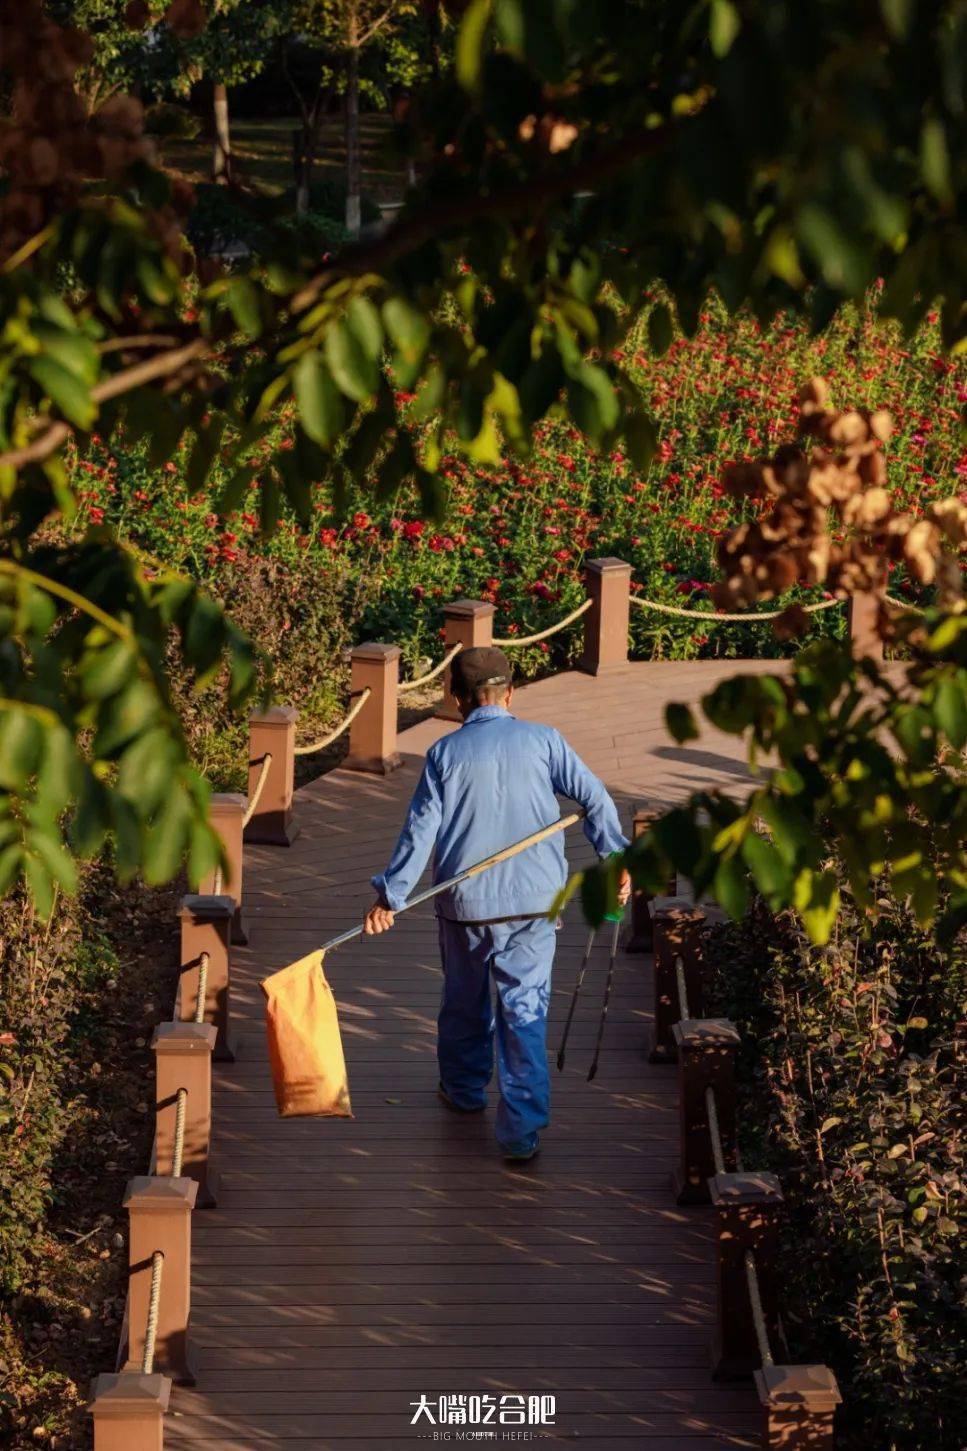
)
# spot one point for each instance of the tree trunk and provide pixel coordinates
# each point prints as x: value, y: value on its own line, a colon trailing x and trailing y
x: 222, y: 152
x: 354, y: 168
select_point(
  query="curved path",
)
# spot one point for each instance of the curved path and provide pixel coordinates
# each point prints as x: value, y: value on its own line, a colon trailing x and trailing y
x: 352, y: 1266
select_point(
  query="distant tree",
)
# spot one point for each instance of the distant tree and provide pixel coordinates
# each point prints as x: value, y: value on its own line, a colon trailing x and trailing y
x: 344, y: 33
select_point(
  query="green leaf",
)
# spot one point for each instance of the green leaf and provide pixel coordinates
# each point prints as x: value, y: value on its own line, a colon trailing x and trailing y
x: 353, y: 369
x: 935, y: 159
x: 410, y: 334
x: 21, y: 743
x: 772, y: 875
x: 106, y: 671
x: 40, y: 884
x: 660, y: 330
x: 65, y: 390
x: 897, y: 14
x: 242, y: 297
x: 207, y: 443
x: 680, y: 723
x: 166, y: 839
x: 724, y: 25
x: 363, y: 322
x: 468, y: 52
x: 124, y: 716
x: 730, y: 886
x: 320, y: 403
x: 950, y: 709
x: 641, y: 440
x: 593, y: 402
x: 816, y: 898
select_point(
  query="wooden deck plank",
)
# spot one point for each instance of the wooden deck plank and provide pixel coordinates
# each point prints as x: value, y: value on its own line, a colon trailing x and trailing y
x: 351, y: 1265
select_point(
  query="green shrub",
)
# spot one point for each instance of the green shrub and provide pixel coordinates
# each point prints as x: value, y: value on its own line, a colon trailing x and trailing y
x: 327, y: 198
x: 170, y: 122
x: 847, y: 1091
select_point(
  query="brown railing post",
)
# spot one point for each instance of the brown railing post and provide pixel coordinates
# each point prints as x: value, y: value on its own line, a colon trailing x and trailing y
x: 129, y: 1410
x: 183, y: 1060
x: 159, y: 1212
x: 641, y: 935
x: 225, y: 812
x: 677, y: 933
x: 372, y: 735
x: 608, y: 583
x: 272, y: 733
x: 466, y: 623
x: 706, y: 1060
x: 206, y: 924
x: 748, y: 1207
x: 861, y: 615
x: 799, y: 1404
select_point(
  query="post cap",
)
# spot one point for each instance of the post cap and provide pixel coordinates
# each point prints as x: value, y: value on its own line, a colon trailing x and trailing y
x: 205, y: 907
x: 129, y: 1393
x: 468, y: 609
x: 374, y: 650
x: 706, y: 1033
x: 276, y: 717
x: 790, y: 1387
x: 225, y: 803
x: 608, y: 564
x: 179, y: 1038
x: 160, y: 1193
x: 736, y: 1190
x: 678, y: 911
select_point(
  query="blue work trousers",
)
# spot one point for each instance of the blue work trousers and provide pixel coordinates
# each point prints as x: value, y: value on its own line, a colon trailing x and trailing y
x: 518, y: 957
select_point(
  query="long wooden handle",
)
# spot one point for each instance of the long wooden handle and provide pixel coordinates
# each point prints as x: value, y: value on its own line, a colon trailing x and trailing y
x: 498, y: 856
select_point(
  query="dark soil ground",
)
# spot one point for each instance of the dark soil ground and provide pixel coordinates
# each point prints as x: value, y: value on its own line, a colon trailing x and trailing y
x: 60, y: 1326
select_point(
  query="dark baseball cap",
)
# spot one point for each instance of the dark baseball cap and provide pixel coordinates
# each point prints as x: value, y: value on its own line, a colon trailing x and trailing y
x: 477, y: 667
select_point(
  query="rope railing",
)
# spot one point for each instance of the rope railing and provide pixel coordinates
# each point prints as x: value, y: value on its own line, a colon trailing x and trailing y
x: 202, y: 988
x: 758, y: 1315
x: 154, y: 1302
x: 405, y: 685
x: 256, y: 796
x: 178, y: 1144
x: 745, y: 617
x: 337, y: 731
x: 512, y: 640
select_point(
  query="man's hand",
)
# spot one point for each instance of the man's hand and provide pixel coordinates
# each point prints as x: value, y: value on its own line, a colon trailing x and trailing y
x: 624, y: 888
x: 378, y: 919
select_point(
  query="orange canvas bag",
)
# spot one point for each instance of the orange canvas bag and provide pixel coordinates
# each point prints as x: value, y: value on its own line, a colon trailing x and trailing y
x: 305, y: 1049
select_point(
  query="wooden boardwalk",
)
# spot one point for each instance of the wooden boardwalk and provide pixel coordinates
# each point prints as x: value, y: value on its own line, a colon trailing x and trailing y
x: 352, y: 1266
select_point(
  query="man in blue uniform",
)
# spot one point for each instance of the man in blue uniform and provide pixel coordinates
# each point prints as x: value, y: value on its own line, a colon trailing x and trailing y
x: 493, y: 782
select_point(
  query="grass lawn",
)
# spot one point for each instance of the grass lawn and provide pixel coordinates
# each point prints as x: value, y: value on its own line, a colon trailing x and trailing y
x: 262, y: 152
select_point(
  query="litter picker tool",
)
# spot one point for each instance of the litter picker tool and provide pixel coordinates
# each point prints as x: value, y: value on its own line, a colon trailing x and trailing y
x: 491, y: 861
x: 574, y: 1000
x: 607, y: 996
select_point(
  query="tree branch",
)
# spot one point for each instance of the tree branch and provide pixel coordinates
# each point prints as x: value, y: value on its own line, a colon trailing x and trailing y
x: 406, y: 235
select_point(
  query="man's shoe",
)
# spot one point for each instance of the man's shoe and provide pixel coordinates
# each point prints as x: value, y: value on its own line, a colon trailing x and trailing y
x: 458, y: 1107
x: 520, y: 1153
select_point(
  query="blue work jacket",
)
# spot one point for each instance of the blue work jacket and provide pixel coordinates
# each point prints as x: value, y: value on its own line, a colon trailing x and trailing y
x: 484, y: 787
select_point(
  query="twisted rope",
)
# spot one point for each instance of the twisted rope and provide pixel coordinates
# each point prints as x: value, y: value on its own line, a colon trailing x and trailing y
x: 154, y: 1300
x: 259, y: 787
x: 551, y: 629
x: 714, y: 1132
x: 202, y: 988
x: 431, y: 674
x: 335, y: 734
x: 902, y: 604
x: 744, y: 617
x: 682, y: 990
x: 758, y: 1315
x: 178, y: 1147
